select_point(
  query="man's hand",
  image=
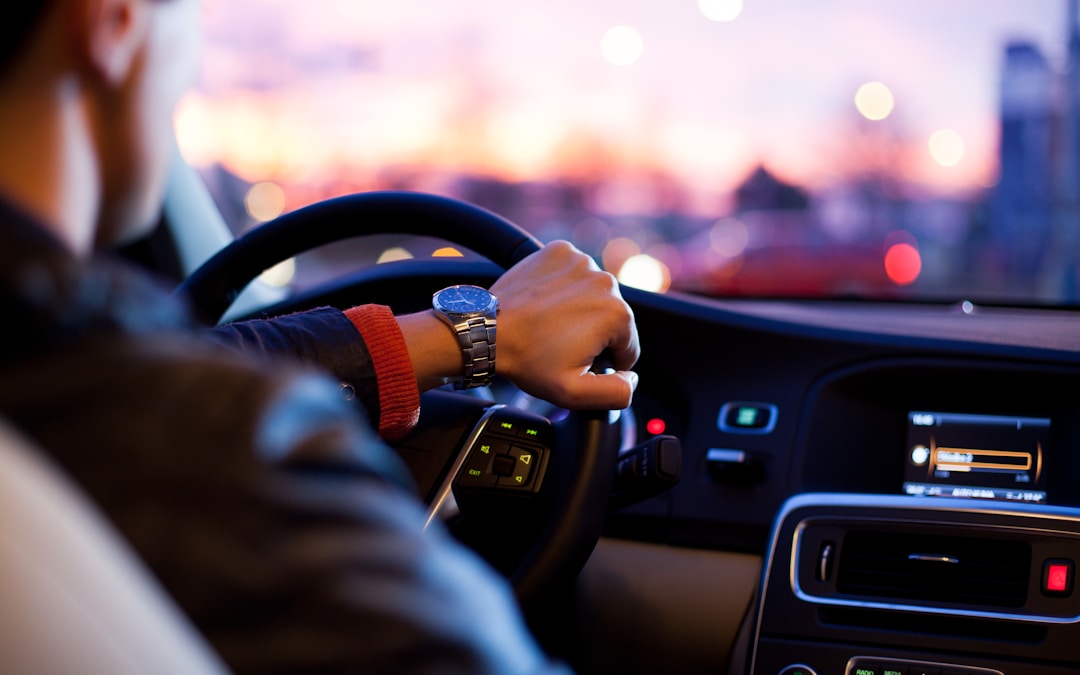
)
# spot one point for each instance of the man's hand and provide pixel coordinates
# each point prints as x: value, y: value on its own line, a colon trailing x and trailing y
x: 557, y: 312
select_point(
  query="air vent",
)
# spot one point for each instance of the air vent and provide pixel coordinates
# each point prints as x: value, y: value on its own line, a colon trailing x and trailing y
x: 941, y: 569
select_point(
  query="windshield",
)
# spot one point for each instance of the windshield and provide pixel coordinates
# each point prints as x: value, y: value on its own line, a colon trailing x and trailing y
x: 900, y: 149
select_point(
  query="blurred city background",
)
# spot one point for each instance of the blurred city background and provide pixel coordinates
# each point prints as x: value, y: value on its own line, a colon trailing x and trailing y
x: 769, y: 148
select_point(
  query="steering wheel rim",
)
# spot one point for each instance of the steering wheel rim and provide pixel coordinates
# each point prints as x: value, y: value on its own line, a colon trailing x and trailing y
x: 571, y: 530
x: 215, y: 285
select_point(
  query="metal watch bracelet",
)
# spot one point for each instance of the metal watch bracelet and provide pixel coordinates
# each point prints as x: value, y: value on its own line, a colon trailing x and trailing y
x: 477, y: 340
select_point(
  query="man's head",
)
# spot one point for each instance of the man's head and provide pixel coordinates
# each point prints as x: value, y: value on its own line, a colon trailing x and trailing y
x: 94, y: 83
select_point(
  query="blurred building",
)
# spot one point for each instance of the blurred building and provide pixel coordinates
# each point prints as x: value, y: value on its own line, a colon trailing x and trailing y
x: 1023, y: 202
x: 1035, y: 217
x: 1061, y: 275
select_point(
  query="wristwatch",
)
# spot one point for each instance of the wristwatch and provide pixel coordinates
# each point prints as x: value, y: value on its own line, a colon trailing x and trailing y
x: 470, y: 312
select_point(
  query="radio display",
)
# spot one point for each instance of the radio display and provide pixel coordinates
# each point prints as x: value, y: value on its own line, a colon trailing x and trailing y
x: 976, y: 456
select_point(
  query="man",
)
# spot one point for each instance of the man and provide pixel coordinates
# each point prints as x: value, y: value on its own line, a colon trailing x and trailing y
x: 275, y: 517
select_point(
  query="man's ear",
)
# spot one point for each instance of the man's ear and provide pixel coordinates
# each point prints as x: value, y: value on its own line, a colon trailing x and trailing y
x: 110, y: 34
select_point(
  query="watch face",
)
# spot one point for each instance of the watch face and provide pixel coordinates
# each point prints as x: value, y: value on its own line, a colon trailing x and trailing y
x: 465, y: 299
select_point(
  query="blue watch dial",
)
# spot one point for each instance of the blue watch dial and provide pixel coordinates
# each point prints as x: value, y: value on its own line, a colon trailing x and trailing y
x: 464, y: 299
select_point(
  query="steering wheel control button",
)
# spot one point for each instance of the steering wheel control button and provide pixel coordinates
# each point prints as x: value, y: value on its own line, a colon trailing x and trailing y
x: 503, y: 466
x: 1057, y: 578
x: 479, y: 469
x: 477, y: 473
x: 798, y: 669
x: 523, y: 463
x: 535, y: 432
x: 747, y: 417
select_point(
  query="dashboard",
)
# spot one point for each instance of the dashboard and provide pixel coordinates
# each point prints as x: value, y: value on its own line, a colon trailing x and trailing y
x: 921, y: 440
x: 811, y: 431
x: 848, y: 390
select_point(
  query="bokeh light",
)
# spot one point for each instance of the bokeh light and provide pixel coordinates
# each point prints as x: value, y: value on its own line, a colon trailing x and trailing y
x: 193, y: 124
x: 947, y: 147
x: 729, y: 237
x: 394, y: 254
x: 646, y: 273
x: 622, y: 46
x: 265, y: 201
x: 721, y: 10
x: 447, y: 252
x: 874, y: 101
x: 617, y: 252
x: 903, y: 263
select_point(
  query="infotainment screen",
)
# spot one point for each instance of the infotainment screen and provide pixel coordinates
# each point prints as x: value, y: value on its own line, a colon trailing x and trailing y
x: 976, y: 456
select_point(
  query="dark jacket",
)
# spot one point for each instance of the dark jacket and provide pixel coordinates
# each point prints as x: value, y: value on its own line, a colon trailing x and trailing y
x: 265, y: 504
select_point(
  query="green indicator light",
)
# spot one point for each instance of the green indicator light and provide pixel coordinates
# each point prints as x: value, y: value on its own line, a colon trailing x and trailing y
x: 486, y: 449
x: 507, y: 425
x: 475, y: 472
x: 892, y: 671
x: 532, y: 432
x: 864, y: 671
x: 747, y: 417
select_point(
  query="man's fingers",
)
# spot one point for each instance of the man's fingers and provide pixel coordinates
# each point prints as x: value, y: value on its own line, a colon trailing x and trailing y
x: 608, y: 391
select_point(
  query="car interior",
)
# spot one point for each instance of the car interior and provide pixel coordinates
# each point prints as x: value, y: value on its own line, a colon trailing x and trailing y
x: 804, y: 484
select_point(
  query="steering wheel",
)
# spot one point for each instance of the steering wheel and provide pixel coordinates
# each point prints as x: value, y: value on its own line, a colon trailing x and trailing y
x: 562, y: 517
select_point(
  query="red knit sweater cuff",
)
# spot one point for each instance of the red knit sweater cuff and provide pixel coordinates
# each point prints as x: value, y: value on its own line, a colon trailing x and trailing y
x: 399, y: 396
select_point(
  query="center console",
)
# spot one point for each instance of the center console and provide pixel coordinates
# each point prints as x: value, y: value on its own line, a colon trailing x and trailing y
x: 921, y: 585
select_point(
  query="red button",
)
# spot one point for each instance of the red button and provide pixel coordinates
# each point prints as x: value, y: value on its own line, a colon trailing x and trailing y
x: 1057, y: 577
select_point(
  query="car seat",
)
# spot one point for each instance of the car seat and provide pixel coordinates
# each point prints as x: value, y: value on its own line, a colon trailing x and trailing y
x: 75, y: 598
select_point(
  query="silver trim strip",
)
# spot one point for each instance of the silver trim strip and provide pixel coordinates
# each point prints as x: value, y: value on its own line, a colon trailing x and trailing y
x: 444, y: 495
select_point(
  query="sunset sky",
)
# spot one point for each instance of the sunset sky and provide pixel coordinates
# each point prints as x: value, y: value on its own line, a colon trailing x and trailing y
x: 309, y: 92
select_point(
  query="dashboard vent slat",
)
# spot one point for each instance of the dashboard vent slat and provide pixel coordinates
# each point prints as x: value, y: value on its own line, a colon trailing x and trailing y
x: 956, y: 570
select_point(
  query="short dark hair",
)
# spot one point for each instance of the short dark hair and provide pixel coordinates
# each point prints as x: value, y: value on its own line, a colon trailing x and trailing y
x: 19, y: 21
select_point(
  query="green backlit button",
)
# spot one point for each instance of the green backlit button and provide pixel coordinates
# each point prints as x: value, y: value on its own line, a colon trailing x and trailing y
x: 866, y: 669
x: 534, y: 431
x: 490, y: 446
x: 529, y: 431
x: 477, y: 471
x: 747, y: 417
x: 524, y: 463
x: 893, y: 670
